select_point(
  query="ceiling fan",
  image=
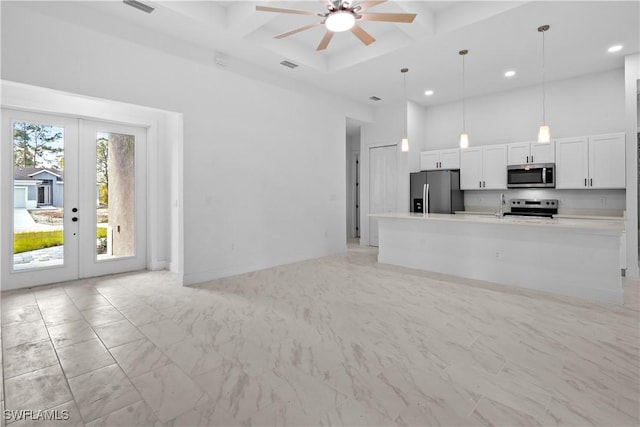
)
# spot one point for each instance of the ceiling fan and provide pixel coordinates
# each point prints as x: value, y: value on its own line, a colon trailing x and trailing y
x: 341, y: 16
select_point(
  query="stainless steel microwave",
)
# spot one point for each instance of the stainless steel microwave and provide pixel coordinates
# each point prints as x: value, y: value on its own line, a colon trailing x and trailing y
x: 541, y: 175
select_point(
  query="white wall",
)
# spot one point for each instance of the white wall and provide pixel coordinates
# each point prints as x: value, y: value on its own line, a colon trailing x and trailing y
x: 587, y: 105
x: 632, y: 78
x: 260, y: 189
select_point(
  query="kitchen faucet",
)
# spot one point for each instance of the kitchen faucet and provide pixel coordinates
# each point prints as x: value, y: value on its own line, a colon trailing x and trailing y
x: 500, y: 213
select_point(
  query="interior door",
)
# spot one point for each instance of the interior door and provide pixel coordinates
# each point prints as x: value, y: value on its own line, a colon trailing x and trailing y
x: 113, y: 198
x: 383, y: 173
x: 39, y: 244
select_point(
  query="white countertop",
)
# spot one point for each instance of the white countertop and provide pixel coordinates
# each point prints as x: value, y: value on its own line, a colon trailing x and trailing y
x: 614, y: 225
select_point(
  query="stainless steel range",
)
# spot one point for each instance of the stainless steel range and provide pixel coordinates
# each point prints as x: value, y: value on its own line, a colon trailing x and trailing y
x: 534, y: 207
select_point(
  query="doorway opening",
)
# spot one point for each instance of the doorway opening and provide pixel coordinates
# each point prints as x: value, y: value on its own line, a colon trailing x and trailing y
x: 353, y: 131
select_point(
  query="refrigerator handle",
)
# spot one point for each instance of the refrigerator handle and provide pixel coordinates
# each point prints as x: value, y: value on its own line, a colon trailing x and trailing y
x: 424, y: 198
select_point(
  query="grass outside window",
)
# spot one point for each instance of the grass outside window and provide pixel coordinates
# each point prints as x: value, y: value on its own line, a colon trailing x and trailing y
x: 32, y: 240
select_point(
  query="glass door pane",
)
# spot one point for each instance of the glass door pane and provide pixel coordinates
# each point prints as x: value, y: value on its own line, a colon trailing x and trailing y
x: 112, y: 198
x: 38, y: 195
x: 116, y: 189
x: 39, y: 220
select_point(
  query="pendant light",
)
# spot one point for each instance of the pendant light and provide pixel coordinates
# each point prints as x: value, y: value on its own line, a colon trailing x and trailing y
x: 464, y: 137
x: 544, y: 136
x: 404, y: 145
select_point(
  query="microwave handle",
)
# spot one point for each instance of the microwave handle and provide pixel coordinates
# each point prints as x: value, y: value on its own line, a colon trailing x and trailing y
x: 544, y: 175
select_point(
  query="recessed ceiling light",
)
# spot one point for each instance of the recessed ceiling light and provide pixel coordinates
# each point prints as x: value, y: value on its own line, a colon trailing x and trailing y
x: 428, y: 92
x: 510, y: 73
x: 615, y: 48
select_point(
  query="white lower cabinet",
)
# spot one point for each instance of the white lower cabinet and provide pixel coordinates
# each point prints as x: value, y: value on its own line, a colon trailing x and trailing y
x: 483, y: 168
x: 591, y: 162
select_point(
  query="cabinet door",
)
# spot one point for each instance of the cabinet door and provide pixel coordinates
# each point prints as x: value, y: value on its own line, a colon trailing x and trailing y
x: 518, y: 153
x: 494, y: 167
x: 429, y: 160
x: 470, y: 168
x: 607, y: 161
x: 572, y: 163
x: 543, y: 153
x: 450, y: 159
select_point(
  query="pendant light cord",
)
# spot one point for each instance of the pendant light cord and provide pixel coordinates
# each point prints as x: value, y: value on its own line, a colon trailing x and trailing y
x: 543, y: 30
x: 406, y: 104
x: 544, y: 95
x: 464, y: 107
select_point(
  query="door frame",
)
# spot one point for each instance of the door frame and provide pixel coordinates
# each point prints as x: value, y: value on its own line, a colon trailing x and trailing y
x: 165, y: 229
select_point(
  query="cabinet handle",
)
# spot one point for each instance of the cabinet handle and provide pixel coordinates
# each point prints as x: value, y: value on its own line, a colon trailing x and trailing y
x: 531, y: 159
x: 527, y: 159
x: 484, y: 184
x: 480, y: 184
x: 585, y: 182
x: 591, y: 182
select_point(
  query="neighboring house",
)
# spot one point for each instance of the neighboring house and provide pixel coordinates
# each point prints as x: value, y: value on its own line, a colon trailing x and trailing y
x: 34, y: 187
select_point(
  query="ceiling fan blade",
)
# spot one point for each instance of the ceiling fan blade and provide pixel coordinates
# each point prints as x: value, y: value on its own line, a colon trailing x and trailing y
x: 325, y: 40
x: 280, y: 10
x: 364, y: 37
x: 297, y: 30
x: 389, y: 17
x: 368, y: 4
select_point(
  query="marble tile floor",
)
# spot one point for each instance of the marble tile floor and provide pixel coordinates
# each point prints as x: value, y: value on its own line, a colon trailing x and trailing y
x: 339, y: 340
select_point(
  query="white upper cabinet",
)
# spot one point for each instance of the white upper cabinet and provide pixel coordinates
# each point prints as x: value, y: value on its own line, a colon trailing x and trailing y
x: 440, y: 159
x: 520, y: 153
x: 483, y: 168
x: 607, y: 161
x: 429, y: 160
x: 450, y: 159
x: 572, y: 162
x: 471, y: 168
x: 591, y: 162
x: 543, y: 153
x: 494, y: 163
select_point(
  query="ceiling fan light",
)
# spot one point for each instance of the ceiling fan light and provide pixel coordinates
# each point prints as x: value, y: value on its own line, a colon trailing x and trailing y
x: 340, y: 21
x: 544, y: 135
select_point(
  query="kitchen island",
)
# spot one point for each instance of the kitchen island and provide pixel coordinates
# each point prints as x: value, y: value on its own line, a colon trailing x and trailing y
x: 576, y: 257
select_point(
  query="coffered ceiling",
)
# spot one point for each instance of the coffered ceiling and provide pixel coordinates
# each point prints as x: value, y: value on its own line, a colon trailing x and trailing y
x: 500, y: 36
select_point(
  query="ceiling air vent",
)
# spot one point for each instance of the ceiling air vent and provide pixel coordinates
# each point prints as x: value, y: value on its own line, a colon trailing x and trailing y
x: 138, y: 5
x: 375, y: 98
x: 289, y: 64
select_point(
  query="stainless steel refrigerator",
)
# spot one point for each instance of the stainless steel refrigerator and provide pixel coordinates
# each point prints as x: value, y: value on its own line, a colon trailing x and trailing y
x: 444, y: 194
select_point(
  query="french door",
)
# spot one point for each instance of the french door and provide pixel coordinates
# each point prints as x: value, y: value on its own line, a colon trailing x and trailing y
x: 93, y: 221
